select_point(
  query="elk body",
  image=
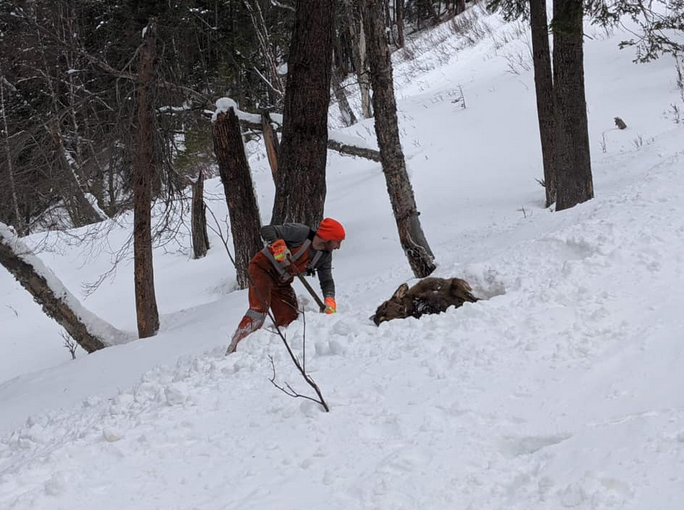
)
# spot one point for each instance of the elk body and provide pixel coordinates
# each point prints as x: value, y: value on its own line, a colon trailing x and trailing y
x: 430, y: 295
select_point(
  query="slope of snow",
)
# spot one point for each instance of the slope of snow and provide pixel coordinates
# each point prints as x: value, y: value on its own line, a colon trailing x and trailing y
x: 560, y: 389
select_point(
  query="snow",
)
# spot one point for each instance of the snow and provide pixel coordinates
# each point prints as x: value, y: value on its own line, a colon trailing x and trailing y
x: 560, y: 389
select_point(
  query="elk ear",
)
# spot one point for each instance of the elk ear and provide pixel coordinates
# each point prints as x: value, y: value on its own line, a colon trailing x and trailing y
x: 400, y: 292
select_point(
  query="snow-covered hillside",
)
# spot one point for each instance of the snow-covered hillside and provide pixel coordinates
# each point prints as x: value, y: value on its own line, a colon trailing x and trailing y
x: 561, y: 388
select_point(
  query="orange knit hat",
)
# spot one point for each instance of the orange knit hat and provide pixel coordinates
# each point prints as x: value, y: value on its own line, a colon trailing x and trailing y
x: 330, y: 230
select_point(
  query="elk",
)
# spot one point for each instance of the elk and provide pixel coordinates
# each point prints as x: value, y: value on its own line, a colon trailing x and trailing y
x: 429, y: 295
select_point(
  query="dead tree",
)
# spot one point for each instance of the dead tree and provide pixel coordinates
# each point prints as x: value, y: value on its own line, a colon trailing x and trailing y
x: 399, y: 187
x: 200, y: 237
x: 144, y: 177
x: 237, y: 185
x: 300, y: 186
x: 91, y: 332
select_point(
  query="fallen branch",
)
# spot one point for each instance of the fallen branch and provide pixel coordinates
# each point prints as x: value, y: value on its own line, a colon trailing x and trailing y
x: 353, y: 150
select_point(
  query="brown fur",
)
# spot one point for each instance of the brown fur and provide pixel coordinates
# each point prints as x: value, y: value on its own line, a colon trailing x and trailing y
x: 430, y: 295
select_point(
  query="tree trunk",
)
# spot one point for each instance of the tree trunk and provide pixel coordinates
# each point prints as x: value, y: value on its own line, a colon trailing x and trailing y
x: 300, y: 189
x: 573, y: 163
x: 543, y: 83
x: 399, y: 9
x: 200, y: 237
x: 19, y: 224
x: 144, y: 175
x: 411, y: 235
x: 89, y: 331
x: 271, y: 142
x: 360, y: 57
x: 237, y: 185
x: 346, y: 113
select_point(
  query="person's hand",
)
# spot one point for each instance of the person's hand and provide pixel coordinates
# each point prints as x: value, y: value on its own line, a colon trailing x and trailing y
x: 330, y: 305
x: 280, y: 250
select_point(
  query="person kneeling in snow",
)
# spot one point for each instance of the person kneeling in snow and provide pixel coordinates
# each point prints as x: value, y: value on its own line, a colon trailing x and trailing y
x: 292, y: 248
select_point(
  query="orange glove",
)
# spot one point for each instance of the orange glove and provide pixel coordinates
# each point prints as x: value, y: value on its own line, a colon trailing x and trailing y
x: 330, y: 305
x: 279, y: 250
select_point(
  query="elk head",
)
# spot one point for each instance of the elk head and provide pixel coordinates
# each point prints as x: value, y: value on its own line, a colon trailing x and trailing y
x: 396, y: 306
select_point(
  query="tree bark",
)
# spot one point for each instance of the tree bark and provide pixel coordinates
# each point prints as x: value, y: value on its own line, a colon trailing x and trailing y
x: 271, y: 142
x: 413, y: 241
x: 543, y: 83
x: 573, y: 179
x: 239, y: 190
x: 200, y: 237
x: 301, y: 188
x: 144, y: 175
x: 89, y: 331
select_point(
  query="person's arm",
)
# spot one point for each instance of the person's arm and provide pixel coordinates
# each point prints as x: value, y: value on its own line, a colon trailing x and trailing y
x: 325, y: 278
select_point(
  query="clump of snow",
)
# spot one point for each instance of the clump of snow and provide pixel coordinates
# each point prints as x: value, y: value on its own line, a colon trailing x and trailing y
x: 224, y: 104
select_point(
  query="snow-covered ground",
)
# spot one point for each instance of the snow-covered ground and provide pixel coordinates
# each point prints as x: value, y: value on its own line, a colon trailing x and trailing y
x: 562, y: 388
